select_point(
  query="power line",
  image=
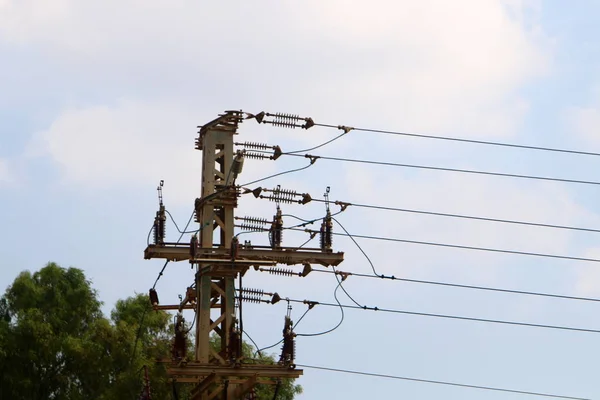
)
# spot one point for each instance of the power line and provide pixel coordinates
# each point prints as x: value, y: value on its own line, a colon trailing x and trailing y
x: 456, y: 246
x: 346, y: 371
x: 137, y: 336
x: 439, y: 214
x: 318, y: 146
x: 427, y: 167
x: 447, y: 316
x: 279, y: 174
x: 456, y: 285
x: 258, y: 351
x: 340, y: 305
x: 357, y: 245
x: 454, y: 139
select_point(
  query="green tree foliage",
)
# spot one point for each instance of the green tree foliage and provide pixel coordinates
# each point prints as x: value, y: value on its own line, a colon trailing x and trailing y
x: 55, y: 343
x: 50, y: 320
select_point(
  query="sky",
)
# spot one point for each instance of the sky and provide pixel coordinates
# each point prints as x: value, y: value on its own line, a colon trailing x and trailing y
x: 101, y: 101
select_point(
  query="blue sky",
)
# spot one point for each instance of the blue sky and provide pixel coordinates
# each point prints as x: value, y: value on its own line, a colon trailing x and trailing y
x: 101, y: 100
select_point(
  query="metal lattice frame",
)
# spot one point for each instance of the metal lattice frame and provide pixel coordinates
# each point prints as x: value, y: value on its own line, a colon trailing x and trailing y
x: 217, y: 265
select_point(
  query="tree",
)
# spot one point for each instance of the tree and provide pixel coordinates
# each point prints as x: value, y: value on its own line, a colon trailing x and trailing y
x: 49, y: 320
x: 55, y: 343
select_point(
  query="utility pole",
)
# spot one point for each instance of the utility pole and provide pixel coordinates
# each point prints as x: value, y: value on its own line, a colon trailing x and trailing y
x: 218, y: 259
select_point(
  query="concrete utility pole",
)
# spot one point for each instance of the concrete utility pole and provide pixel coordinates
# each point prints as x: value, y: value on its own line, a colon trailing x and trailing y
x: 219, y: 259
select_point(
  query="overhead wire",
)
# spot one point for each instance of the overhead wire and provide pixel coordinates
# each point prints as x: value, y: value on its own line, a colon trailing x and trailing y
x: 463, y: 140
x: 446, y: 316
x: 456, y: 285
x: 259, y: 351
x: 387, y: 376
x: 278, y: 174
x: 427, y: 167
x: 456, y: 246
x: 139, y: 332
x: 252, y: 340
x: 312, y: 161
x: 471, y: 217
x: 177, y: 227
x: 338, y: 324
x: 316, y: 147
x: 357, y: 245
x: 344, y: 289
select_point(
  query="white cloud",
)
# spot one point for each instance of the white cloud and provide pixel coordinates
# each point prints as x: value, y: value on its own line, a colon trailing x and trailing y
x: 588, y: 277
x: 585, y: 120
x: 129, y: 143
x: 430, y: 65
x: 466, y: 195
x: 5, y: 173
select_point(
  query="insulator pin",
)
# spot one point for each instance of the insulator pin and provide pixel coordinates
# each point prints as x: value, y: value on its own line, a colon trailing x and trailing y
x: 252, y: 227
x: 287, y: 121
x: 254, y: 145
x: 256, y: 292
x: 276, y: 231
x: 252, y: 299
x: 238, y: 164
x: 286, y: 196
x: 281, y: 271
x: 257, y: 156
x: 254, y: 220
x: 159, y: 226
x: 326, y: 233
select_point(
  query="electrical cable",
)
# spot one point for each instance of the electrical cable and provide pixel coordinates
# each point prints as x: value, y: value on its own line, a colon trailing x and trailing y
x: 406, y: 210
x: 278, y: 174
x: 277, y: 386
x: 357, y: 245
x: 454, y: 139
x: 273, y: 345
x: 305, y: 243
x: 175, y: 396
x: 455, y: 246
x: 139, y: 332
x: 456, y: 285
x: 301, y: 317
x: 307, y: 221
x: 149, y: 234
x: 192, y: 325
x: 178, y: 240
x: 456, y: 317
x: 344, y: 289
x: 259, y: 351
x: 252, y: 340
x: 177, y: 227
x: 316, y: 147
x: 335, y: 327
x: 466, y: 171
x: 346, y: 371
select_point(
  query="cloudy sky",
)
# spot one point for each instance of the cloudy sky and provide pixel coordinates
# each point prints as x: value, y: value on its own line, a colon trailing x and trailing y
x: 101, y: 101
